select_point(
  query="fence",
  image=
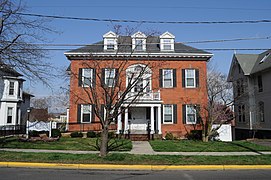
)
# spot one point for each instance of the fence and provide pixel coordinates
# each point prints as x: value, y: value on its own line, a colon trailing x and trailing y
x: 12, y: 130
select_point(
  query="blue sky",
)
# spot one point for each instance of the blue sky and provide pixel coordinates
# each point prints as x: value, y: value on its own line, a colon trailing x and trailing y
x: 87, y: 32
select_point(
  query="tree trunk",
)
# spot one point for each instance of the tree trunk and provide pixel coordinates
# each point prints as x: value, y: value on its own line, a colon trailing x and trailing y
x: 104, y: 142
x: 205, y: 138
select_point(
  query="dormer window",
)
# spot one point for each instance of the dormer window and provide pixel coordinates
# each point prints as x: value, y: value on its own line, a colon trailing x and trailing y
x: 110, y: 41
x: 139, y: 41
x: 167, y: 42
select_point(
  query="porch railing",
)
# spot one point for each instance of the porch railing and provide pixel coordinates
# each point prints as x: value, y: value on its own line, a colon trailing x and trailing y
x: 143, y: 96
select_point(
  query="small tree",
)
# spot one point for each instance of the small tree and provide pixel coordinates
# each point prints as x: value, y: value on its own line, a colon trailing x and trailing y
x: 219, y: 107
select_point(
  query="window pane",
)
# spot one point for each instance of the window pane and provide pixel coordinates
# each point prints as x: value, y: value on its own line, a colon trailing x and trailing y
x: 168, y: 109
x: 110, y: 44
x: 190, y: 114
x: 190, y: 82
x: 9, y: 115
x: 86, y: 117
x: 190, y: 73
x: 86, y: 108
x: 87, y: 76
x: 11, y: 88
x: 168, y: 118
x: 191, y: 118
x: 167, y: 73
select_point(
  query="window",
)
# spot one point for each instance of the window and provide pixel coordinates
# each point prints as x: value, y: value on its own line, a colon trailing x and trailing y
x: 9, y: 115
x: 87, y: 75
x: 11, y: 88
x: 167, y: 44
x: 139, y: 44
x: 191, y: 114
x: 110, y: 44
x: 139, y: 85
x: 85, y: 113
x: 167, y: 78
x: 260, y: 83
x: 241, y: 113
x: 110, y: 77
x: 261, y: 111
x: 168, y: 114
x: 190, y: 80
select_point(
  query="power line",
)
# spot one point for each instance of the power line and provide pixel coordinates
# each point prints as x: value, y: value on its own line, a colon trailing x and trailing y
x: 146, y: 21
x: 149, y: 43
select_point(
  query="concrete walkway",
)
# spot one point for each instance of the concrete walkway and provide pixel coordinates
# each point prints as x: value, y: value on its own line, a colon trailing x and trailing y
x: 142, y: 148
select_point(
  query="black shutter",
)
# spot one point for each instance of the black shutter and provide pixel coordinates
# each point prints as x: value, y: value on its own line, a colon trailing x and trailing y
x: 80, y: 77
x: 198, y: 114
x: 162, y: 114
x: 174, y: 113
x: 102, y: 111
x: 183, y: 77
x: 174, y: 78
x: 116, y: 77
x: 197, y: 77
x: 184, y: 114
x: 103, y: 77
x: 94, y: 78
x: 160, y: 77
x: 79, y: 113
x: 92, y: 113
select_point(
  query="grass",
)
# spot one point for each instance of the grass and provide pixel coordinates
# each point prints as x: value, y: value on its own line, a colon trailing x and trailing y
x: 134, y: 159
x: 80, y: 144
x: 199, y: 146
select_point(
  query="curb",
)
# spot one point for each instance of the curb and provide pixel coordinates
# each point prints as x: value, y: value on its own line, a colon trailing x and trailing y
x: 130, y: 167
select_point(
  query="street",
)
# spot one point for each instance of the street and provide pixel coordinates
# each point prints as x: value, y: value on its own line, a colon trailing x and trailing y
x: 59, y: 174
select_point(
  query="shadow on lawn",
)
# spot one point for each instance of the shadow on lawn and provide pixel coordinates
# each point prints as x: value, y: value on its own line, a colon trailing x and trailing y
x: 245, y: 147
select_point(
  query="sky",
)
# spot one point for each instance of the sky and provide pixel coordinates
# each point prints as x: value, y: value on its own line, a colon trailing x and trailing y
x: 88, y: 32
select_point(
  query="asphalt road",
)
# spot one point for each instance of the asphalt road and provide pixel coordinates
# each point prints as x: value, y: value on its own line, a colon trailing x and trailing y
x: 62, y: 174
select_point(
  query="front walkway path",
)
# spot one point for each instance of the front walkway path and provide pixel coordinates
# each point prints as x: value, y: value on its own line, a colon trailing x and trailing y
x: 141, y: 147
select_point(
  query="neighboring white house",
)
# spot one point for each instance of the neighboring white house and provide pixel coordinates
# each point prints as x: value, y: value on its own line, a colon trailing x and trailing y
x: 11, y: 96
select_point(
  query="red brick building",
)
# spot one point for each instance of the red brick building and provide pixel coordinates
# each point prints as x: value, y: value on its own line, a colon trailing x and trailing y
x: 175, y: 84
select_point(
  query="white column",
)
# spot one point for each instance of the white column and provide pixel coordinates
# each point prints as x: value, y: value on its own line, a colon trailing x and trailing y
x: 152, y: 120
x: 126, y: 120
x: 119, y: 128
x: 159, y: 120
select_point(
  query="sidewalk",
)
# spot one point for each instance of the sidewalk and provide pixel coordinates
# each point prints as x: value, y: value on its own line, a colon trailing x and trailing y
x: 143, y: 148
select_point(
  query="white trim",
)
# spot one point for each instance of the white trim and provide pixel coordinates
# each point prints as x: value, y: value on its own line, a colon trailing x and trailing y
x: 172, y: 114
x: 140, y: 54
x: 186, y: 113
x: 194, y: 77
x: 163, y: 74
x: 90, y: 113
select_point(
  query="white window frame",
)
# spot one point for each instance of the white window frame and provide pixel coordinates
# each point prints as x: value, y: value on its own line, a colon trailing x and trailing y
x: 108, y: 74
x: 110, y: 45
x: 186, y: 113
x: 12, y: 115
x: 167, y: 45
x: 10, y: 88
x: 171, y: 78
x: 172, y: 114
x: 84, y: 77
x: 186, y: 77
x: 82, y: 113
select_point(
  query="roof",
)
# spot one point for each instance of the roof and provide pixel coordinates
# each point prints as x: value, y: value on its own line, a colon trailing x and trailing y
x: 27, y: 94
x: 6, y: 70
x: 125, y: 46
x: 252, y: 63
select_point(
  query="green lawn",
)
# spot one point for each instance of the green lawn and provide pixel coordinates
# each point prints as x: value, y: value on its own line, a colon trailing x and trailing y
x: 134, y: 159
x: 81, y: 144
x: 199, y: 146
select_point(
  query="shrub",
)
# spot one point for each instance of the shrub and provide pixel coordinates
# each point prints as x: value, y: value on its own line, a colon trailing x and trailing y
x: 194, y: 135
x: 91, y: 134
x: 169, y: 136
x: 76, y: 134
x: 56, y: 133
x: 37, y: 133
x: 111, y: 135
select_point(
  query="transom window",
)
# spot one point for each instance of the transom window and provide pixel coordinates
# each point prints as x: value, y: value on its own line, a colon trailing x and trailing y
x: 11, y: 88
x: 167, y: 78
x: 87, y: 75
x: 190, y: 78
x: 191, y: 114
x: 110, y: 77
x: 86, y: 113
x: 168, y: 114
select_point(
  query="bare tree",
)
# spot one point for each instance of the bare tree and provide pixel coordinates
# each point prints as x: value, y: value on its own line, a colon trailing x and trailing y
x: 219, y: 107
x: 18, y: 36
